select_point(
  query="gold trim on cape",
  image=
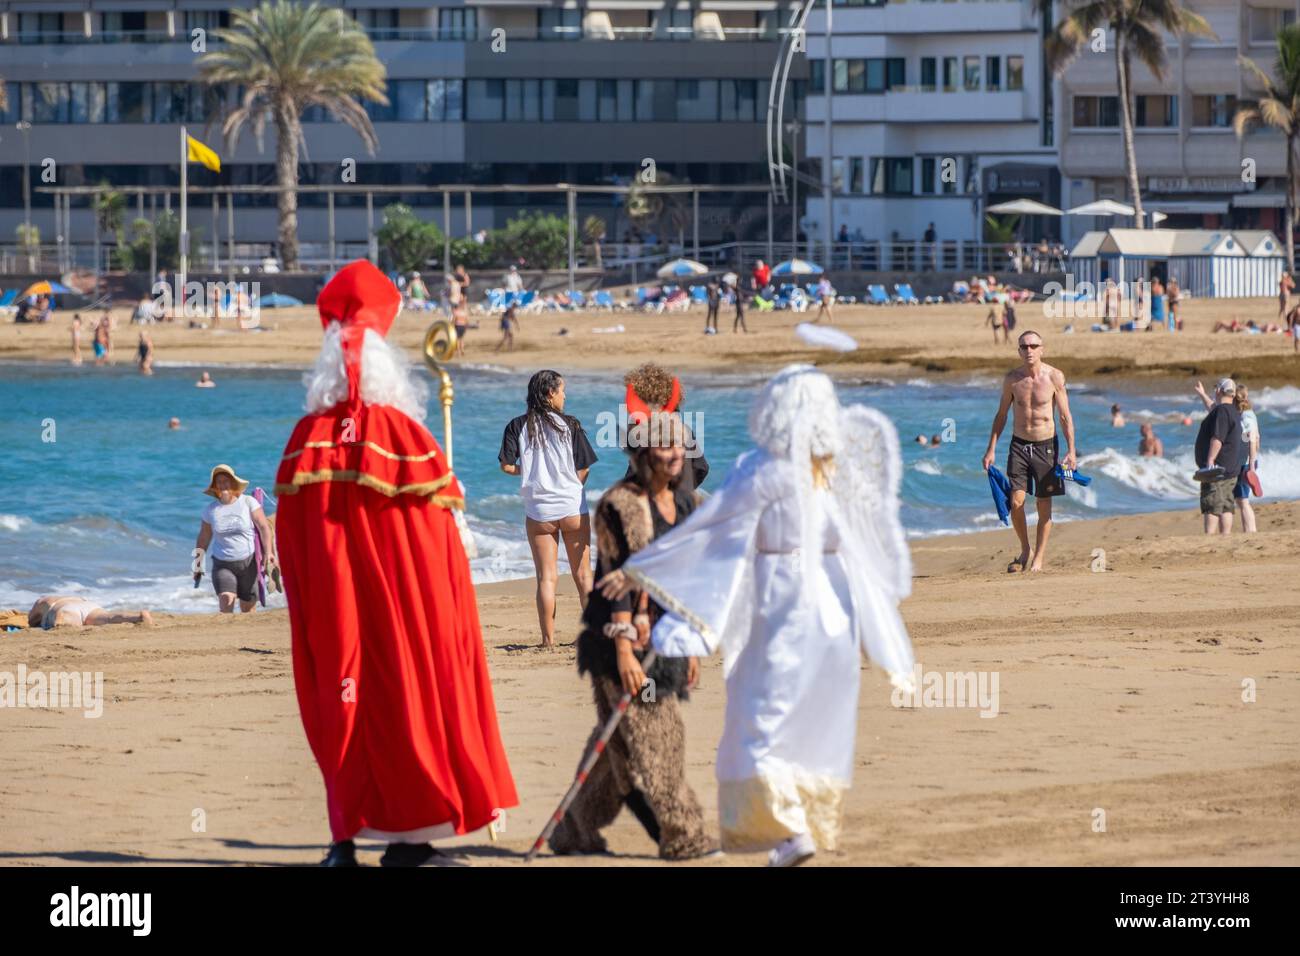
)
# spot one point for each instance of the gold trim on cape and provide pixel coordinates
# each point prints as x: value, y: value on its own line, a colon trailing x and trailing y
x: 425, y: 489
x: 363, y: 444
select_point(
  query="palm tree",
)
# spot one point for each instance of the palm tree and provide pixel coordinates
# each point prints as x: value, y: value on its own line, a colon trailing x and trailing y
x: 286, y: 58
x: 109, y: 207
x: 593, y: 231
x: 1278, y: 106
x: 1136, y: 26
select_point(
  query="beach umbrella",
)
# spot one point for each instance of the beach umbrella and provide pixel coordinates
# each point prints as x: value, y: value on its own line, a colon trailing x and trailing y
x: 45, y: 288
x: 824, y: 337
x: 277, y: 300
x: 1025, y: 207
x: 1102, y: 207
x: 797, y: 267
x: 681, y: 267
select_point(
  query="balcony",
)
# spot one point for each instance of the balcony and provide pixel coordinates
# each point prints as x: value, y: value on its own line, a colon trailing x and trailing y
x: 98, y: 36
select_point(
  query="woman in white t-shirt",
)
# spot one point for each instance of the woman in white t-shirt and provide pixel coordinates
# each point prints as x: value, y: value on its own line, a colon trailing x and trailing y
x: 551, y: 454
x: 228, y: 525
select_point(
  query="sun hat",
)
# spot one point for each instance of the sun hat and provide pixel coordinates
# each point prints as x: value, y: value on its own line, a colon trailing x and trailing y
x: 224, y: 470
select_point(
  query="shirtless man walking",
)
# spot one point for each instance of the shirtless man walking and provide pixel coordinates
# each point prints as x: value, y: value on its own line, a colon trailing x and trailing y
x: 1037, y: 393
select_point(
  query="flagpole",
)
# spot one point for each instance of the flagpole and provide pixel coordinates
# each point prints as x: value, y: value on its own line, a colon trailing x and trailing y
x: 185, y: 235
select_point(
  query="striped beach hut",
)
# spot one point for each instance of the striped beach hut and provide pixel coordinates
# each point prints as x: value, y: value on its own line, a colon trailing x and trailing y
x: 1208, y: 263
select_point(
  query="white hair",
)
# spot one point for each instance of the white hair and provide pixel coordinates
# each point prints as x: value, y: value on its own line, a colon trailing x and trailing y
x: 797, y: 415
x: 386, y: 376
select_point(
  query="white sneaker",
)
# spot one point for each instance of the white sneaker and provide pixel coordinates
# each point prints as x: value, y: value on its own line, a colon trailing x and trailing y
x: 798, y: 849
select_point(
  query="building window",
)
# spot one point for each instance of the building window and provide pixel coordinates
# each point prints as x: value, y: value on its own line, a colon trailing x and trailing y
x: 993, y: 73
x: 1015, y: 73
x: 128, y: 102
x: 949, y: 74
x: 895, y: 72
x: 50, y: 103
x: 928, y: 74
x: 891, y: 176
x: 875, y: 75
x: 379, y: 24
x: 817, y: 76
x: 407, y: 97
x: 457, y: 23
x: 970, y: 73
x: 681, y: 24
x: 1156, y: 112
x: 560, y: 100
x: 206, y: 20
x: 122, y: 27
x: 1265, y: 22
x: 739, y: 101
x: 485, y: 100
x: 927, y: 175
x: 559, y: 24
x: 14, y: 111
x: 445, y: 100
x: 40, y: 27
x: 857, y: 167
x: 697, y: 100
x: 523, y: 100
x: 1214, y: 111
x: 1096, y: 111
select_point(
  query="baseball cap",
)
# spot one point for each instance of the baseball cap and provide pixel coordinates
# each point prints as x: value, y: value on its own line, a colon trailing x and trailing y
x: 1227, y: 387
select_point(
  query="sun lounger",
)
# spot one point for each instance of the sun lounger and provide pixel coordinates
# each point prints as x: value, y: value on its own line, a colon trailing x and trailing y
x: 878, y: 295
x: 904, y: 295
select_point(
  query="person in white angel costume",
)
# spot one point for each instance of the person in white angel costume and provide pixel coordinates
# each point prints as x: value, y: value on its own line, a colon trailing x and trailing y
x: 793, y: 567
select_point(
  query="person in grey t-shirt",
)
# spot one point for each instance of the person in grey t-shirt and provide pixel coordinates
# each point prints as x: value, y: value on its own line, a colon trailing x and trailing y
x: 228, y: 526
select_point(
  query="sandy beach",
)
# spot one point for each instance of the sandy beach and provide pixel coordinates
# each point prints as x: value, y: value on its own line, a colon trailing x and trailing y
x: 894, y: 341
x: 1119, y: 691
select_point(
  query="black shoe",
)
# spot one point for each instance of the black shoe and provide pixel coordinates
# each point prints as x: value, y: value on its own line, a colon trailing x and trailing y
x: 343, y: 853
x: 417, y: 854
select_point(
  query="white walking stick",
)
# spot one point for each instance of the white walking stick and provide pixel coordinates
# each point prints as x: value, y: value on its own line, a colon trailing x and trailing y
x: 590, y: 761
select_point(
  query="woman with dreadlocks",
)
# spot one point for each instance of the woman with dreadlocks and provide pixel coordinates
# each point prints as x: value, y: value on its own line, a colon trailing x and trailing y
x: 551, y: 454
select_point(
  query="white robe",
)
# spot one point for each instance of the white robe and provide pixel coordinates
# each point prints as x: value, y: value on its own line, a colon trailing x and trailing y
x: 733, y: 576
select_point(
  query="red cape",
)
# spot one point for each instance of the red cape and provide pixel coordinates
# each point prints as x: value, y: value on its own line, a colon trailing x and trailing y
x: 388, y: 657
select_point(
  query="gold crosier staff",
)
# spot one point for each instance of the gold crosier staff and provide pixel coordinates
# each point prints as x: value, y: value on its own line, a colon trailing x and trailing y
x: 439, y: 347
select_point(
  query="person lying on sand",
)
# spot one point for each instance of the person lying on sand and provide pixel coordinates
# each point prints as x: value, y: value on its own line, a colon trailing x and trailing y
x: 54, y: 610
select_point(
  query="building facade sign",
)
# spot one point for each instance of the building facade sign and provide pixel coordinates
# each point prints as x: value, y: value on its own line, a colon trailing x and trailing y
x: 1197, y: 184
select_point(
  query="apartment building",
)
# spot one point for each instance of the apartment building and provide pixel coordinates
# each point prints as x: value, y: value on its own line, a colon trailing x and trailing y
x: 939, y: 108
x: 1192, y: 166
x: 481, y: 91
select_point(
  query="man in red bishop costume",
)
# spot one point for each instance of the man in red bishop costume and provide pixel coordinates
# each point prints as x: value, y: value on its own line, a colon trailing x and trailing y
x: 388, y: 658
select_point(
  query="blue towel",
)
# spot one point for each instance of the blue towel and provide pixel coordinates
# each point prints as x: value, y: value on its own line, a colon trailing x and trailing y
x: 1001, y: 489
x: 1075, y: 476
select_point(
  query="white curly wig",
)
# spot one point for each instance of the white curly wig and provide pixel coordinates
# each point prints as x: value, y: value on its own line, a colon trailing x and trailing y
x: 797, y: 415
x: 387, y: 378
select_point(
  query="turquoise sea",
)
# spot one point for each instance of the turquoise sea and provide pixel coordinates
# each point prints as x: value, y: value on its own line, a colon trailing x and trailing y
x: 99, y: 498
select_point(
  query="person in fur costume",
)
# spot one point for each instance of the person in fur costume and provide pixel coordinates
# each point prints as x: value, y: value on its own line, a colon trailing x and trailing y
x: 644, y: 764
x: 652, y: 388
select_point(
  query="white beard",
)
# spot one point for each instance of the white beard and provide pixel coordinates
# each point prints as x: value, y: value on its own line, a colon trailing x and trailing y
x: 387, y: 378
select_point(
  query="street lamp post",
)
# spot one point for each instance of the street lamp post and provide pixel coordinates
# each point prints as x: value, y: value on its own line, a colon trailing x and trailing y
x: 793, y: 128
x: 24, y: 127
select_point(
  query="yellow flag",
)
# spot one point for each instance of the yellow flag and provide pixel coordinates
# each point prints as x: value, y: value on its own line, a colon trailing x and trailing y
x: 198, y: 153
